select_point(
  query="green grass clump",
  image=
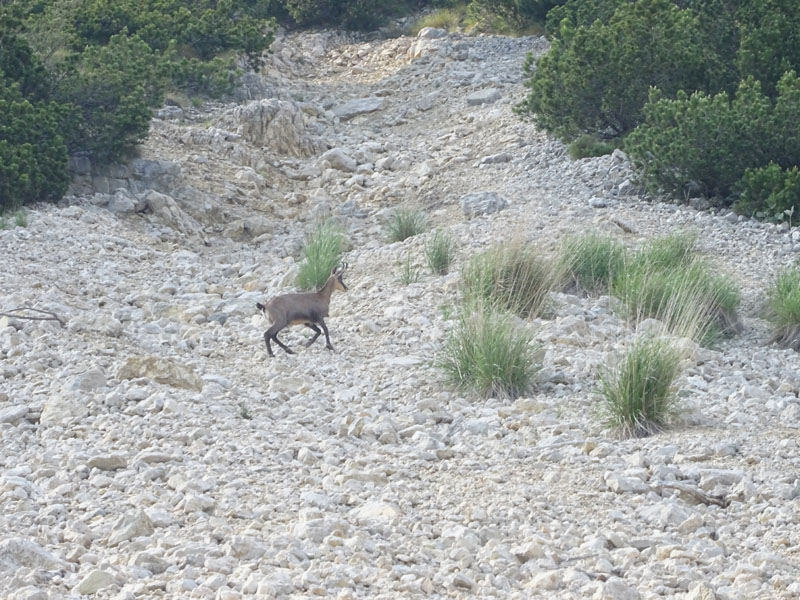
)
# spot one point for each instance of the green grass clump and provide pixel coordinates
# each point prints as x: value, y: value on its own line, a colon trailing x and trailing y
x: 667, y: 252
x: 406, y: 223
x: 18, y: 217
x: 665, y: 280
x: 592, y: 261
x: 490, y: 354
x: 408, y: 273
x: 783, y: 302
x: 638, y: 394
x: 450, y: 19
x: 322, y: 252
x: 588, y: 146
x: 514, y: 277
x: 439, y: 252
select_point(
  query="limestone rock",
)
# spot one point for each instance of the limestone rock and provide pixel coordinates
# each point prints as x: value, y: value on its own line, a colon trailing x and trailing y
x: 485, y: 96
x: 359, y: 106
x: 60, y: 409
x: 161, y: 370
x: 339, y: 159
x: 19, y: 552
x: 482, y: 203
x: 108, y: 462
x: 96, y: 580
x: 13, y: 414
x: 88, y: 381
x: 278, y: 125
x: 166, y: 209
x: 130, y: 525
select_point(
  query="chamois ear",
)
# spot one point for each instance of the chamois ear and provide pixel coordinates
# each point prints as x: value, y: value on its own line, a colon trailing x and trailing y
x: 259, y: 306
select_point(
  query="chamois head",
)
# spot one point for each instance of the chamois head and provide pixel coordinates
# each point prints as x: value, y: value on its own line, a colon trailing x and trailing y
x: 337, y: 273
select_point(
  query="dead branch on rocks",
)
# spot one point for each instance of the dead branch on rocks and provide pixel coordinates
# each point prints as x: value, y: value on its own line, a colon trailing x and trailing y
x: 52, y: 316
x: 692, y: 491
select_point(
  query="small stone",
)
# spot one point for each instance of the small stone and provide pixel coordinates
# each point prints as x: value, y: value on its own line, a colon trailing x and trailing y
x: 701, y: 591
x: 130, y: 525
x: 548, y: 580
x: 431, y: 33
x: 152, y: 563
x: 380, y: 511
x: 88, y: 381
x: 339, y: 160
x: 13, y: 414
x: 462, y: 581
x: 615, y: 589
x: 482, y: 203
x: 108, y: 462
x: 622, y: 485
x: 94, y: 581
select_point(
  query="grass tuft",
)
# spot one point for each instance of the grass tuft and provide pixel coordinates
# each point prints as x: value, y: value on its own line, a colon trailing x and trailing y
x: 406, y: 223
x: 783, y: 302
x: 514, y: 277
x: 665, y: 280
x: 489, y: 353
x: 322, y: 252
x: 450, y: 19
x: 589, y: 146
x: 439, y: 252
x: 408, y: 273
x: 667, y: 253
x: 592, y: 262
x: 19, y: 218
x: 638, y: 394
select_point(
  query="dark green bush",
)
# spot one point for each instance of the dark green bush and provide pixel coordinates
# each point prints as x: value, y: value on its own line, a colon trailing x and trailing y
x: 704, y: 144
x: 202, y: 28
x: 516, y: 13
x: 353, y: 14
x: 596, y: 78
x: 770, y: 193
x: 113, y: 88
x: 768, y: 44
x: 580, y: 13
x: 33, y: 156
x: 213, y: 78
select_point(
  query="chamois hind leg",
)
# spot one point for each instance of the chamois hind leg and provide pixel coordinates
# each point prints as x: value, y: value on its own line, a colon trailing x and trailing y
x: 327, y: 337
x: 272, y: 333
x: 269, y: 348
x: 317, y: 333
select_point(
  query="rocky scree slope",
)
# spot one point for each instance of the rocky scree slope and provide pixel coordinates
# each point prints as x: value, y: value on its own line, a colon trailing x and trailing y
x: 150, y: 449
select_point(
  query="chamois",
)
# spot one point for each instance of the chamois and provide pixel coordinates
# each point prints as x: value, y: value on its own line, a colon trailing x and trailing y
x: 309, y: 309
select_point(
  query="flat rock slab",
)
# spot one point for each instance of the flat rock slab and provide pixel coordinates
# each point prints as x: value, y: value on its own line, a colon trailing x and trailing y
x: 482, y: 203
x: 487, y: 96
x: 360, y: 106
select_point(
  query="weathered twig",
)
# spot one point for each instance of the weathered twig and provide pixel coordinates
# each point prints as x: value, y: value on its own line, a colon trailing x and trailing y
x: 53, y: 316
x: 695, y: 493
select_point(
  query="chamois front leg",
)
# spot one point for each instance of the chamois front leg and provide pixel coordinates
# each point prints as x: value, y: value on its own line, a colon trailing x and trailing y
x: 327, y: 337
x: 317, y: 333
